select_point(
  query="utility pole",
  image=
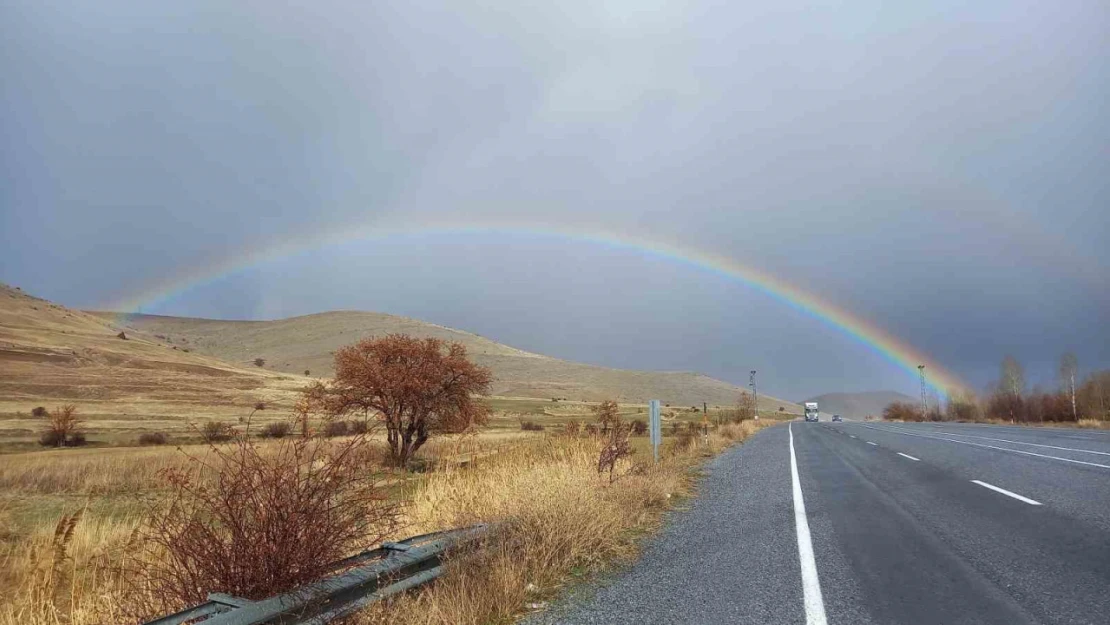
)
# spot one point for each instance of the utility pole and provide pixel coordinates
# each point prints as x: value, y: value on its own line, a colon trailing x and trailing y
x: 924, y: 393
x: 755, y: 393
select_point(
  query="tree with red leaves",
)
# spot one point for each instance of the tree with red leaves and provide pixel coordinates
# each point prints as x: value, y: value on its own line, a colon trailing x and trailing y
x: 417, y: 386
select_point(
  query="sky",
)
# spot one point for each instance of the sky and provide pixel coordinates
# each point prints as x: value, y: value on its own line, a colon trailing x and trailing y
x: 936, y: 169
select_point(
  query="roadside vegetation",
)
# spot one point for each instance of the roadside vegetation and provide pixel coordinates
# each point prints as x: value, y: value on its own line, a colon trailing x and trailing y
x: 1078, y: 401
x: 113, y: 534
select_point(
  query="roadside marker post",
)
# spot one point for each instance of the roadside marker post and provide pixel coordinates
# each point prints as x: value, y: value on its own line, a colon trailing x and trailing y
x: 656, y: 428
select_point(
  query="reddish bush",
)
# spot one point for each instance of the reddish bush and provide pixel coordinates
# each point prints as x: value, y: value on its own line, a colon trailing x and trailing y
x: 262, y: 524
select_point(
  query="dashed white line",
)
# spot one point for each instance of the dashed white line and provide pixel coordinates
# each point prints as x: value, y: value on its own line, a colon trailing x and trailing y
x: 909, y: 456
x: 1013, y: 451
x: 1003, y: 440
x: 852, y: 435
x: 811, y: 585
x: 870, y: 443
x: 1007, y: 493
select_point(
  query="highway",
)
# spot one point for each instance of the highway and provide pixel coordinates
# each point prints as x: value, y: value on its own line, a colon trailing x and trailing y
x: 884, y: 523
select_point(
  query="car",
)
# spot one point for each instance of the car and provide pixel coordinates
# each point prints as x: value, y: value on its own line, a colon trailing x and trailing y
x: 837, y: 419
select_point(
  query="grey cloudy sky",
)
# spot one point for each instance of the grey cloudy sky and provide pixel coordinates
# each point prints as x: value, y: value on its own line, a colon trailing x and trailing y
x: 938, y: 169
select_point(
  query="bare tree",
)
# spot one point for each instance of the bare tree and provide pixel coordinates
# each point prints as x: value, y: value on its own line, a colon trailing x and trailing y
x: 607, y: 415
x: 417, y: 386
x: 1011, y: 384
x: 1069, y: 368
x: 63, y: 429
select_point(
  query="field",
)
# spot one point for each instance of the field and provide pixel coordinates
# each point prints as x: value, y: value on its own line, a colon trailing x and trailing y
x: 75, y: 579
x: 67, y: 515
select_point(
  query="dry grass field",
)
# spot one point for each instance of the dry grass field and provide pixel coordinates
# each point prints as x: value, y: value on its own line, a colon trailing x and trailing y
x: 67, y: 514
x: 67, y: 518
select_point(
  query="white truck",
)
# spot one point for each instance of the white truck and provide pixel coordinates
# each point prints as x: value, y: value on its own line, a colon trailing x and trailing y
x: 811, y: 411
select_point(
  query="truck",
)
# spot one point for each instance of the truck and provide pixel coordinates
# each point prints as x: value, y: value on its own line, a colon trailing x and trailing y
x: 811, y: 411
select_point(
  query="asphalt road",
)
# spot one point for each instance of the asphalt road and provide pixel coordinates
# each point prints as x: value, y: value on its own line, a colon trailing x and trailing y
x: 879, y: 523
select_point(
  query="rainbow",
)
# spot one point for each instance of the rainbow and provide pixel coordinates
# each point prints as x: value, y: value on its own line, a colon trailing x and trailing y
x: 866, y: 333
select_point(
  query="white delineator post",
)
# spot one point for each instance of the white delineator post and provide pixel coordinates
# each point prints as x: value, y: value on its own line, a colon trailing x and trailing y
x: 656, y: 427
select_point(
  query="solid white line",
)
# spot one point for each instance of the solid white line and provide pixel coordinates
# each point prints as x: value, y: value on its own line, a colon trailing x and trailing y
x: 909, y: 456
x: 811, y: 585
x: 1003, y: 440
x: 870, y: 443
x: 1013, y: 451
x: 1007, y: 493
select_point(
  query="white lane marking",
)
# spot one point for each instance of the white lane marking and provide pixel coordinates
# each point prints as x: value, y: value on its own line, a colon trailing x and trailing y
x: 1007, y: 493
x: 909, y: 456
x: 811, y: 585
x: 870, y: 443
x: 1003, y: 440
x: 852, y: 435
x: 1014, y: 451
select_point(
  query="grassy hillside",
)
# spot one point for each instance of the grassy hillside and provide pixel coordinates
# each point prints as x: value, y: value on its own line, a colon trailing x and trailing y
x: 51, y: 355
x: 858, y: 405
x: 298, y: 344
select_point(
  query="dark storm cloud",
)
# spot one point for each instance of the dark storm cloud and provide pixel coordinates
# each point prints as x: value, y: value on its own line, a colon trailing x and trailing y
x: 936, y: 168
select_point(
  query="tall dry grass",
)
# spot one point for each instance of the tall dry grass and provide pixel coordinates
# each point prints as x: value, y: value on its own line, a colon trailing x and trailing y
x: 553, y: 513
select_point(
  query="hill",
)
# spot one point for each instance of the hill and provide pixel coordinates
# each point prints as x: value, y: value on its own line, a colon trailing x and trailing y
x: 51, y: 355
x: 858, y: 405
x: 306, y: 343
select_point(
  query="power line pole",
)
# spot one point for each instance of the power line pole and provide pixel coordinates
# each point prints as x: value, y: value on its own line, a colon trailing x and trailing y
x: 924, y: 392
x: 755, y: 393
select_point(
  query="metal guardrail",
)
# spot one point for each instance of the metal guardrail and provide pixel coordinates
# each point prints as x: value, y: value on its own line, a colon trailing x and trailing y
x: 356, y: 582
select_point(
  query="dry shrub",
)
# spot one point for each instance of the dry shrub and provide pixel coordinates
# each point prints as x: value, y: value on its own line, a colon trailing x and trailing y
x: 254, y: 524
x: 216, y: 431
x: 639, y: 427
x: 153, y: 438
x: 39, y: 412
x: 613, y: 451
x: 607, y: 413
x: 902, y: 411
x: 335, y: 428
x: 572, y: 428
x: 531, y: 426
x: 277, y: 429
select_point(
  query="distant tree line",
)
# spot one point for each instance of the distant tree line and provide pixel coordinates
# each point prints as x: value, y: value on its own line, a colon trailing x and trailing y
x: 1008, y: 399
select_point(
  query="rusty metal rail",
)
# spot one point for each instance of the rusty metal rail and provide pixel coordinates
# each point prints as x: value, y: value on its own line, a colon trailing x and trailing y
x: 355, y: 583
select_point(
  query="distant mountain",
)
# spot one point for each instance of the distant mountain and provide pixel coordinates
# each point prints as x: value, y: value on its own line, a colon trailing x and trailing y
x: 297, y: 344
x: 858, y: 405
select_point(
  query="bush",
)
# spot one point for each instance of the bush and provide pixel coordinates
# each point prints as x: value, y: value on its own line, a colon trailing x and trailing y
x: 592, y: 429
x: 50, y: 438
x: 572, y: 428
x: 260, y: 405
x: 38, y: 411
x: 153, y: 438
x: 307, y: 372
x: 264, y: 523
x: 531, y: 426
x: 902, y: 411
x: 277, y: 429
x: 639, y: 427
x: 335, y: 428
x: 355, y: 426
x: 216, y: 431
x: 615, y: 448
x: 260, y: 362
